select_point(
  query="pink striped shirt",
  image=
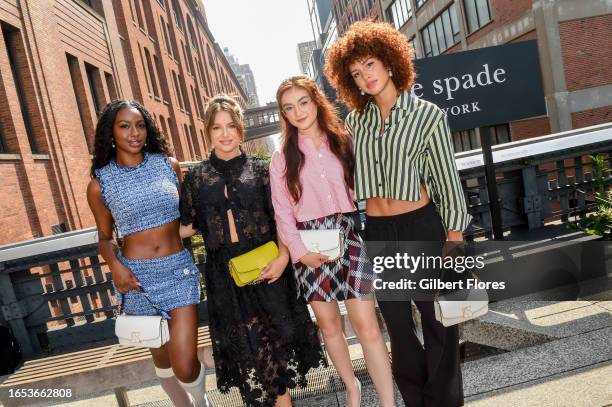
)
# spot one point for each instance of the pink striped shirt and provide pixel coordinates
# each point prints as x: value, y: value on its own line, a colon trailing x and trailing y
x: 324, y: 192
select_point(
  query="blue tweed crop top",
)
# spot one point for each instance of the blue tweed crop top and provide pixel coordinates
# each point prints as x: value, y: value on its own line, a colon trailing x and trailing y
x: 140, y: 197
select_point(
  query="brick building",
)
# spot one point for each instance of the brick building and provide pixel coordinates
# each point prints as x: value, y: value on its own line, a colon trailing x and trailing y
x: 61, y: 61
x: 349, y: 11
x: 574, y: 41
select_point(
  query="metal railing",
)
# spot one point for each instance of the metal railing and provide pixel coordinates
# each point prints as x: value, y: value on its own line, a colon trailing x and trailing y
x: 56, y: 293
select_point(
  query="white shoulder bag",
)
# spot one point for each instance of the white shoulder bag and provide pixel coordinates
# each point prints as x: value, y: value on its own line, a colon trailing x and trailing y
x: 460, y: 306
x: 145, y: 331
x: 328, y: 242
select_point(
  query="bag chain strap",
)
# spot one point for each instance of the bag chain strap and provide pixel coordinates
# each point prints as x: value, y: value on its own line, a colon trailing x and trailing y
x: 161, y: 312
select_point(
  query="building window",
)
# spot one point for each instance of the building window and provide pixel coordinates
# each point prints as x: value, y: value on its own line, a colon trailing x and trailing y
x: 158, y: 69
x: 478, y: 13
x: 399, y: 12
x: 139, y: 15
x: 466, y: 140
x: 151, y: 72
x: 80, y: 95
x: 110, y: 84
x: 419, y: 3
x: 169, y: 47
x: 2, y: 143
x: 177, y: 91
x: 21, y: 77
x: 178, y: 17
x: 211, y: 59
x: 500, y: 134
x: 442, y: 33
x: 92, y: 76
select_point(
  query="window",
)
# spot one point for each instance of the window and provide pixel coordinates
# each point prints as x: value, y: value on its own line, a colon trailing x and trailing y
x: 177, y: 89
x: 169, y: 47
x: 501, y: 134
x: 192, y: 152
x: 178, y: 17
x: 92, y: 80
x: 141, y: 22
x: 466, y: 140
x: 80, y: 95
x: 398, y: 13
x: 442, y: 33
x: 21, y: 78
x: 110, y: 84
x: 211, y: 59
x: 2, y: 145
x: 478, y: 13
x: 176, y: 141
x: 159, y: 68
x: 185, y: 57
x: 151, y: 73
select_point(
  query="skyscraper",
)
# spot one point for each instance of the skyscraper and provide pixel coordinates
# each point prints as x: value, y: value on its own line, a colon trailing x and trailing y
x: 304, y: 52
x: 245, y: 77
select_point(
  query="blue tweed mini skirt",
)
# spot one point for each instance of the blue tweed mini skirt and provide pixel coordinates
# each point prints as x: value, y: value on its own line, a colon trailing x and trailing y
x: 170, y: 281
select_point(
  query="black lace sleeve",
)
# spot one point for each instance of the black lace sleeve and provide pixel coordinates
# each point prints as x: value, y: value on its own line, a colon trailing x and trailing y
x: 188, y: 205
x: 265, y: 181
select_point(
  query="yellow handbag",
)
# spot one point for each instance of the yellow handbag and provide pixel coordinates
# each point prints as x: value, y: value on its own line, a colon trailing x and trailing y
x: 247, y: 267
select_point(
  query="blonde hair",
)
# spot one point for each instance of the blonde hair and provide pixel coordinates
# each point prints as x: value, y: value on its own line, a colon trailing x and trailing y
x: 223, y: 103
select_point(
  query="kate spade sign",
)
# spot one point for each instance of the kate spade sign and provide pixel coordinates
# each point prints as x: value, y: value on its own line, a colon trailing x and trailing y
x: 484, y: 86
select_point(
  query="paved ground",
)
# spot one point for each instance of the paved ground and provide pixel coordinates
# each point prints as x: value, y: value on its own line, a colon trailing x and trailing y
x: 556, y: 354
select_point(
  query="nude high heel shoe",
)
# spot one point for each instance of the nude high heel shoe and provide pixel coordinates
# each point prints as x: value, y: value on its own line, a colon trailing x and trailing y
x: 359, y: 387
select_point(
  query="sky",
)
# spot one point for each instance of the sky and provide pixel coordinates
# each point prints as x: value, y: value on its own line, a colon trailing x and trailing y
x: 263, y: 34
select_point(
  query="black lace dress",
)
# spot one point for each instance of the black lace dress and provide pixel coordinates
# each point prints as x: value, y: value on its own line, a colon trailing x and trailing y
x: 263, y: 339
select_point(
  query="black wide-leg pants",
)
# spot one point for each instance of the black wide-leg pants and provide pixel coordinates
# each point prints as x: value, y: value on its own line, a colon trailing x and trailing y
x: 428, y: 375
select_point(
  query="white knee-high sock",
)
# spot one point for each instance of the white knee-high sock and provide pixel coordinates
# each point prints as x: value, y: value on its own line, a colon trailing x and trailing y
x: 172, y: 387
x: 197, y: 389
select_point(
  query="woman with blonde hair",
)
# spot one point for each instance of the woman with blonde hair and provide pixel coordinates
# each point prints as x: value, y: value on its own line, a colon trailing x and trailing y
x: 263, y: 339
x: 406, y: 172
x: 312, y: 181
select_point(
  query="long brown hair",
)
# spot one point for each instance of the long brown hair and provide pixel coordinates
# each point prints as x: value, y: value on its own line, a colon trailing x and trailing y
x: 329, y: 122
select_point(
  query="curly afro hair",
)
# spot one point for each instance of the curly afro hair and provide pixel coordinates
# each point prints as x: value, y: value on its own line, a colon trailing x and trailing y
x: 368, y: 39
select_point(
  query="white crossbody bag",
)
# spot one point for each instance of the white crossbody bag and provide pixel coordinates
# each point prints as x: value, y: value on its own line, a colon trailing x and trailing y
x: 145, y: 331
x: 328, y: 242
x: 460, y: 306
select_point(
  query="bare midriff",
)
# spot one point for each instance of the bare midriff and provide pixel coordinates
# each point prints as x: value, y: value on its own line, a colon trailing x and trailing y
x: 378, y: 206
x: 161, y: 241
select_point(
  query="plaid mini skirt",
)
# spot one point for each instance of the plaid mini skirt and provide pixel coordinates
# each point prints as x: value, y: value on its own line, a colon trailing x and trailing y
x: 351, y: 276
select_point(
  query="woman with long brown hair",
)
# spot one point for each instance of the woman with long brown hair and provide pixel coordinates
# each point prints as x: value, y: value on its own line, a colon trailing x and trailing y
x: 312, y: 180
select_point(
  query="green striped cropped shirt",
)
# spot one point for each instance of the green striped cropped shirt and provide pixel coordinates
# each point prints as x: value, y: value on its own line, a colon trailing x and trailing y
x: 411, y: 147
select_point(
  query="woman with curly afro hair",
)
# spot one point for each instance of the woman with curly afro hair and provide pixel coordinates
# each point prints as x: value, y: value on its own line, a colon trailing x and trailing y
x: 135, y: 189
x: 405, y: 171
